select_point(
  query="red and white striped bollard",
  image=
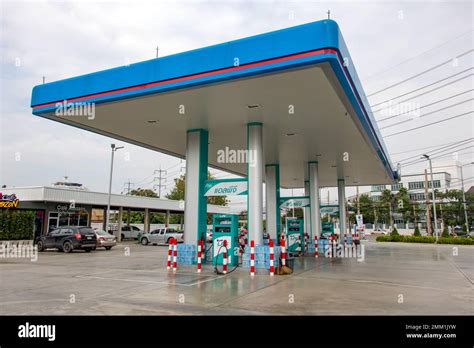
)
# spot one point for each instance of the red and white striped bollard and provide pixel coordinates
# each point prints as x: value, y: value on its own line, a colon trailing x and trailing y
x: 316, y: 247
x: 224, y: 259
x: 199, y: 256
x: 283, y: 252
x: 272, y: 266
x: 170, y: 252
x: 175, y: 255
x: 252, y: 258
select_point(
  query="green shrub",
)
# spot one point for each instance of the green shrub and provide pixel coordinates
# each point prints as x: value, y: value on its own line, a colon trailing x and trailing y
x: 425, y: 239
x: 419, y: 239
x: 451, y: 240
x: 394, y: 232
x: 417, y: 232
x: 16, y: 224
x: 383, y: 239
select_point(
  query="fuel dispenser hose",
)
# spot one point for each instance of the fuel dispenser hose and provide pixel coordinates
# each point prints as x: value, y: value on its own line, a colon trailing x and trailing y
x: 216, y: 270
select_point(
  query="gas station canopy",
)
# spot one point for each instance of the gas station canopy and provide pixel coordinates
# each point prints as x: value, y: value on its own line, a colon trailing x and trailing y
x: 300, y: 83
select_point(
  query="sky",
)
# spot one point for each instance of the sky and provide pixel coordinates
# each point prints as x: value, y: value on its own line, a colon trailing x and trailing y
x: 389, y: 41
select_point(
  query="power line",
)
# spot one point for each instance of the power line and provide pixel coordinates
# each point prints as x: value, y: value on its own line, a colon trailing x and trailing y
x: 426, y: 92
x: 129, y: 186
x: 427, y: 125
x: 441, y: 151
x: 429, y: 113
x: 428, y: 147
x: 458, y: 143
x: 412, y: 58
x: 435, y: 157
x: 421, y: 73
x: 424, y: 106
x: 139, y: 182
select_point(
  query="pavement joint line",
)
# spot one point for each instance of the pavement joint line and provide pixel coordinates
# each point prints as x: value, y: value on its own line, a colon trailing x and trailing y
x: 394, y: 284
x: 461, y: 271
x: 147, y: 281
x: 267, y: 286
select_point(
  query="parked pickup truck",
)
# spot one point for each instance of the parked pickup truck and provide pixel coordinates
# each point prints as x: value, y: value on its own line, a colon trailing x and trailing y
x: 161, y: 236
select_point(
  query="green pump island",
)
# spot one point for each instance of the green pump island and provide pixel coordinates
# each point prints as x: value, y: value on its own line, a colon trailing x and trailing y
x: 225, y: 227
x: 295, y: 235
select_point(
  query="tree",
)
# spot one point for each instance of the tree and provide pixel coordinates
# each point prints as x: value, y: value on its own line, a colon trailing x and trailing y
x: 394, y: 232
x: 366, y: 208
x: 386, y: 204
x: 177, y: 193
x: 143, y: 193
x: 417, y: 231
x: 403, y: 204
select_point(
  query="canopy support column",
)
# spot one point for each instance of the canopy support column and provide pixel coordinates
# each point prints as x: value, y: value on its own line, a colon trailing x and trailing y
x: 195, y: 208
x: 272, y: 187
x: 255, y: 181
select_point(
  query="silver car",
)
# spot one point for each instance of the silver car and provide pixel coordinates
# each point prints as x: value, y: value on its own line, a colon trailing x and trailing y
x: 104, y: 239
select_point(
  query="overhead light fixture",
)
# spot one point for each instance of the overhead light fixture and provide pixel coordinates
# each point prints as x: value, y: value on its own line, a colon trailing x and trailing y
x: 153, y: 121
x: 253, y: 106
x: 334, y: 166
x: 290, y: 134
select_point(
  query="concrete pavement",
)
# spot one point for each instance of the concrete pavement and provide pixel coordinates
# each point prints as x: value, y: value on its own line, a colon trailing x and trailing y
x: 394, y: 278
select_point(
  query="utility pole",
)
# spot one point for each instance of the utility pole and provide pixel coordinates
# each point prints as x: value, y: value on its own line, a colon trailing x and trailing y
x: 428, y: 212
x: 441, y: 215
x: 160, y: 179
x: 414, y: 213
x: 390, y: 212
x: 433, y: 197
x: 129, y: 185
x: 358, y: 203
x: 464, y: 198
x: 375, y: 217
x: 329, y: 215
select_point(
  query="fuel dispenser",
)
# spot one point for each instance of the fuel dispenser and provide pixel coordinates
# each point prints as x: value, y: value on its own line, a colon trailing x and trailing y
x: 327, y: 229
x: 295, y: 235
x: 225, y: 227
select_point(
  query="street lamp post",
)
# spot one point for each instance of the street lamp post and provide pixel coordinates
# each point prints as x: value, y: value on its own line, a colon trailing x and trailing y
x: 114, y: 148
x: 433, y: 196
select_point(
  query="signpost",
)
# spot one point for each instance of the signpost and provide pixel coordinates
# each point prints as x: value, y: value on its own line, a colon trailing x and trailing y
x: 226, y: 187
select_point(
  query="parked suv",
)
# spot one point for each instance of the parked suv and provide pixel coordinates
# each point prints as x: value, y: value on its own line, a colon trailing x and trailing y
x: 68, y: 238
